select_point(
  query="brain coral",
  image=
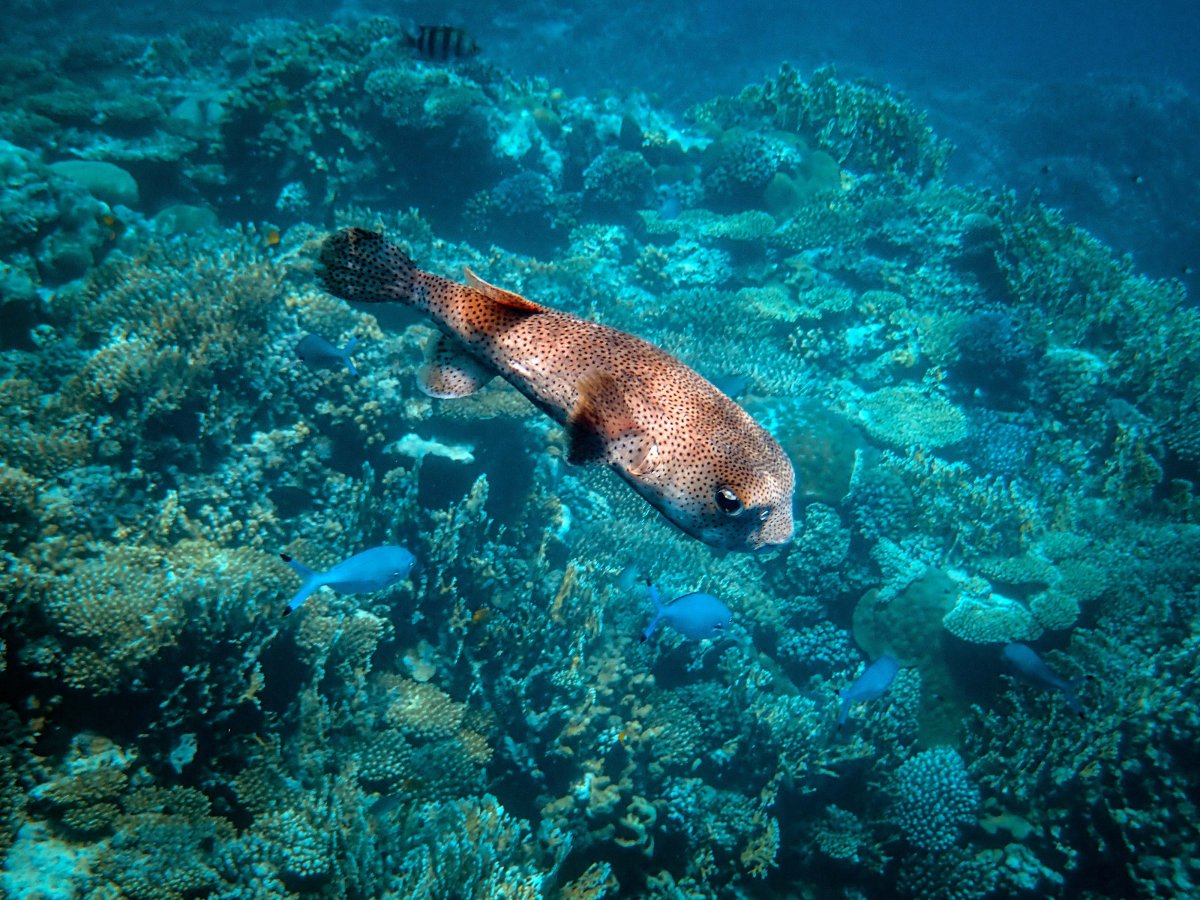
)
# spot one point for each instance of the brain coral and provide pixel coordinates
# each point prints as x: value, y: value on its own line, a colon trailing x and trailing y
x: 933, y: 797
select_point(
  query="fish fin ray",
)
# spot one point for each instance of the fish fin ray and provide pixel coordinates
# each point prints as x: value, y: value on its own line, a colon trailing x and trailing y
x: 505, y: 298
x: 451, y: 372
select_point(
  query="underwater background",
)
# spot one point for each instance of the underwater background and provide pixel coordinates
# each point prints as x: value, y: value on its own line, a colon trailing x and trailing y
x: 946, y: 253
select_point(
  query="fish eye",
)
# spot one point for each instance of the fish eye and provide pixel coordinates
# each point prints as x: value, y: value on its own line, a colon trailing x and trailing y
x: 728, y: 502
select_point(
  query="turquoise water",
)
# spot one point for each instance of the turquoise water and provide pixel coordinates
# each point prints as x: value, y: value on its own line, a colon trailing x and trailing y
x: 957, y: 298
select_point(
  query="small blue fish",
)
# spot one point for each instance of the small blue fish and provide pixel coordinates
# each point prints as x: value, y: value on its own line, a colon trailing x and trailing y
x: 870, y: 685
x: 318, y: 353
x: 363, y: 573
x: 1032, y: 668
x: 696, y: 616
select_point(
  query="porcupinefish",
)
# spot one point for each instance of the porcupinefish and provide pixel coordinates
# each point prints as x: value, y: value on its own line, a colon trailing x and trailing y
x: 870, y: 685
x: 689, y: 450
x: 1031, y: 667
x: 696, y: 616
x: 318, y: 353
x: 363, y: 573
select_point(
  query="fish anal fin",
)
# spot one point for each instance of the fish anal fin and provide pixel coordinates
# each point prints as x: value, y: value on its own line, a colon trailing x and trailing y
x: 500, y: 295
x: 451, y: 372
x: 603, y: 429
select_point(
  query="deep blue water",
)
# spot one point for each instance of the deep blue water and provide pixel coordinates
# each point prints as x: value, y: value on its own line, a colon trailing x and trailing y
x: 1092, y: 105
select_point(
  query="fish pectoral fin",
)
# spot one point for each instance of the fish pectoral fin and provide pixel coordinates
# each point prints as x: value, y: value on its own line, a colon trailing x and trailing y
x: 451, y: 372
x: 500, y: 295
x: 603, y: 429
x: 636, y: 452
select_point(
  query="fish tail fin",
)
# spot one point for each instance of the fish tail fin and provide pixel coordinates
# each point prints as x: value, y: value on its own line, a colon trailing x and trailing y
x: 658, y: 611
x: 654, y: 596
x: 306, y: 591
x: 1071, y: 693
x: 312, y: 581
x: 844, y: 711
x: 298, y: 567
x: 365, y: 267
x: 350, y: 345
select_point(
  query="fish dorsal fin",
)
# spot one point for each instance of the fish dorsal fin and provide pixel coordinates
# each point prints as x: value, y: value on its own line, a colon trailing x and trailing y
x: 500, y: 295
x: 603, y: 429
x: 452, y: 372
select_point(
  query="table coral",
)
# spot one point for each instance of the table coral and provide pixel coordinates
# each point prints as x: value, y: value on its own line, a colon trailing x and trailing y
x: 905, y: 415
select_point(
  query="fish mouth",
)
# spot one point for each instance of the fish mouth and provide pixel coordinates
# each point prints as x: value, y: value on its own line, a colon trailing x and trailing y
x: 776, y: 531
x: 763, y: 541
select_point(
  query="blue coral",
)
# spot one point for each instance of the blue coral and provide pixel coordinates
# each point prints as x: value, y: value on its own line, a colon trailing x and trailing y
x: 741, y: 166
x: 526, y: 193
x: 934, y: 797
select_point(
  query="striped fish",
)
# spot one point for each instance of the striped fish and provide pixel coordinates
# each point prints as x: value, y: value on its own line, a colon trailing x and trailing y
x: 443, y: 42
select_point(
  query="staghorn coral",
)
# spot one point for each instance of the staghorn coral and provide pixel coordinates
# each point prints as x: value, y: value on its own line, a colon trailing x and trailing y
x: 118, y: 611
x: 424, y: 710
x: 1054, y: 610
x: 177, y: 295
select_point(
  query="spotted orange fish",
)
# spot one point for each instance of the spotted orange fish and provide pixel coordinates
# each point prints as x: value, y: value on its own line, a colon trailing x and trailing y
x: 689, y: 450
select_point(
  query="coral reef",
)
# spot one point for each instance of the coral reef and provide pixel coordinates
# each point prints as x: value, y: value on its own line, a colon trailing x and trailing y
x: 995, y: 425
